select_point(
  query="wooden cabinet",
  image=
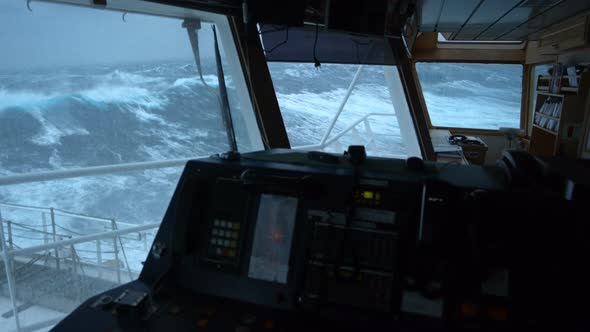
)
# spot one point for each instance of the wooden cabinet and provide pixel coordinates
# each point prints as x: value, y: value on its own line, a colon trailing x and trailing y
x: 568, y: 35
x: 559, y: 116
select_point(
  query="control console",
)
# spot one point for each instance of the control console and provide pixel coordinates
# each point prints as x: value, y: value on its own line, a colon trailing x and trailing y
x: 285, y: 241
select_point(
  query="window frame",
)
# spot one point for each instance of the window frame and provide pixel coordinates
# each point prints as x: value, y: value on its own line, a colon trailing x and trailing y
x: 229, y: 43
x: 404, y: 115
x: 524, y: 108
x: 233, y: 66
x: 228, y: 40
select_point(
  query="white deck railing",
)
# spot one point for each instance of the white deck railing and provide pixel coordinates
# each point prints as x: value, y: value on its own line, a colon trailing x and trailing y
x: 63, y: 249
x: 90, y: 171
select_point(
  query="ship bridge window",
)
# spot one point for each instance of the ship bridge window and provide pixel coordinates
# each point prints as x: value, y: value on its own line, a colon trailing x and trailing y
x: 472, y: 95
x: 81, y: 88
x: 338, y: 105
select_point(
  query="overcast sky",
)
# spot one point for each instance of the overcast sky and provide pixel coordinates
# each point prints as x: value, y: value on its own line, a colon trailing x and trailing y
x: 57, y: 35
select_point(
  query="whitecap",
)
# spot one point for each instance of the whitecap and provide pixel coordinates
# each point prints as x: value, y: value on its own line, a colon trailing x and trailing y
x: 23, y: 99
x: 187, y: 82
x: 127, y: 78
x: 51, y: 133
x: 123, y: 95
x: 142, y: 115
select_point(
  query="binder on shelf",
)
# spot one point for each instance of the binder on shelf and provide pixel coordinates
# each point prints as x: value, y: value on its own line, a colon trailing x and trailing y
x: 561, y: 102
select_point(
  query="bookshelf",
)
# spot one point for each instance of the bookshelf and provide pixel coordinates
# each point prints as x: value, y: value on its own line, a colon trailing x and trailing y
x: 559, y: 115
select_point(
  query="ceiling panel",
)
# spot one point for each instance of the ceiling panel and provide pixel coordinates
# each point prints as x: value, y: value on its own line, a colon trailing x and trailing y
x: 557, y: 14
x: 515, y: 17
x: 501, y: 20
x: 455, y: 13
x: 489, y: 12
x: 429, y: 12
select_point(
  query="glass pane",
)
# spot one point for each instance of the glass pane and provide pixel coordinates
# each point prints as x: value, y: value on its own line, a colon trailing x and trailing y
x: 481, y: 96
x: 81, y: 87
x: 310, y: 100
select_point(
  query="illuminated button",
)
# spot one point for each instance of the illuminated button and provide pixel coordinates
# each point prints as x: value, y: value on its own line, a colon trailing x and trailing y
x: 222, y: 223
x: 231, y: 253
x: 368, y: 195
x: 235, y: 235
x: 229, y: 225
x: 214, y: 232
x: 218, y: 251
x: 497, y: 313
x: 233, y: 244
x: 202, y: 323
x: 269, y: 324
x: 236, y: 225
x: 226, y: 243
x: 469, y: 310
x: 213, y: 241
x: 216, y: 223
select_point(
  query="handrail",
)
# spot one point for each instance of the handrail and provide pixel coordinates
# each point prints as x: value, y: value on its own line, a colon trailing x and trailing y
x: 60, y: 212
x: 342, y: 133
x: 91, y: 171
x: 24, y: 207
x: 342, y: 104
x: 79, y: 239
x: 65, y: 213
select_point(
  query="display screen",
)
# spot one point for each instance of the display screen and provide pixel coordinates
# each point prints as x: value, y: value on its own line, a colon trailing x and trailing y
x: 273, y: 235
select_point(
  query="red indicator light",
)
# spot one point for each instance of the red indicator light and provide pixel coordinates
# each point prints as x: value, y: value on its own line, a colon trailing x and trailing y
x: 276, y: 235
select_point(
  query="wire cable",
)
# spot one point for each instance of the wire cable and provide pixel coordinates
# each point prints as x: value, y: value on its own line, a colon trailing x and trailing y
x: 316, y: 62
x: 279, y: 44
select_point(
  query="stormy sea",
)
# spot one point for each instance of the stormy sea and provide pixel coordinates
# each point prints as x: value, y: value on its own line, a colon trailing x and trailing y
x: 73, y: 117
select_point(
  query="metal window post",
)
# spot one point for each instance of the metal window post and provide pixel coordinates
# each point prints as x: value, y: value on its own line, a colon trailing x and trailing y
x: 9, y: 274
x: 45, y: 233
x: 9, y: 228
x: 52, y: 214
x: 98, y: 253
x: 116, y: 250
x: 99, y: 257
x: 73, y: 254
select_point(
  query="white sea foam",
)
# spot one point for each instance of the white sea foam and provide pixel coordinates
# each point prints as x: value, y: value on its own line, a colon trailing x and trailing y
x: 319, y: 110
x: 23, y: 99
x: 123, y: 95
x: 127, y: 78
x: 145, y: 116
x: 188, y: 82
x: 51, y: 133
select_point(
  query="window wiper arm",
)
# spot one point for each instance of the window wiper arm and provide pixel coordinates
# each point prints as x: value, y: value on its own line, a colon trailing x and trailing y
x: 191, y: 27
